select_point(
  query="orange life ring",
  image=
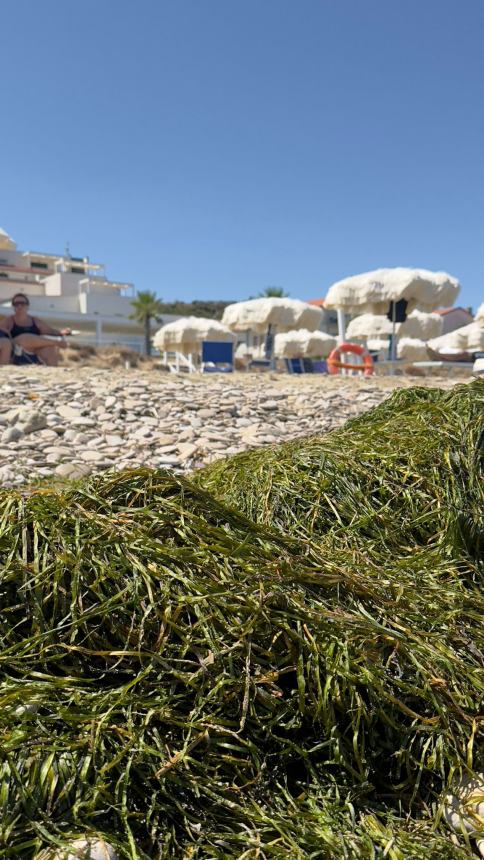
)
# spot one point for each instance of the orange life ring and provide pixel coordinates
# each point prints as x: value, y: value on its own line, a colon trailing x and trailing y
x: 335, y: 364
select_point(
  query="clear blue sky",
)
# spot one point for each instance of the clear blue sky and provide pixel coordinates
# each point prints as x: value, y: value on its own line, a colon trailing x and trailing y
x: 210, y: 148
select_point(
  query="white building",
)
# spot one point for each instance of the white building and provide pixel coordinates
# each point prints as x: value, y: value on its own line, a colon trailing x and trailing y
x: 70, y: 292
x: 453, y: 318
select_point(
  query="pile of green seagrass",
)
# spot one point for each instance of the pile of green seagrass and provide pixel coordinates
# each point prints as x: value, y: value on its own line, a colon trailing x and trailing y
x: 282, y: 658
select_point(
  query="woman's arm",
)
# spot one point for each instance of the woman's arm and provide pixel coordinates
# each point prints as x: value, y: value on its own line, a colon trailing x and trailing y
x: 47, y: 329
x: 6, y: 324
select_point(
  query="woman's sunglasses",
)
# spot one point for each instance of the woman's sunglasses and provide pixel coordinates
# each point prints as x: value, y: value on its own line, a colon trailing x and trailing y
x: 20, y: 304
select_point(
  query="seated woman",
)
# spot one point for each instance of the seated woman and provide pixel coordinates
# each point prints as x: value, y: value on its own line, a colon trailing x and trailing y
x: 31, y: 333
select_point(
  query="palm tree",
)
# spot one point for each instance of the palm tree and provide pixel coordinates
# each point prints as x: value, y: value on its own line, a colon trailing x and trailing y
x: 146, y: 308
x: 273, y: 293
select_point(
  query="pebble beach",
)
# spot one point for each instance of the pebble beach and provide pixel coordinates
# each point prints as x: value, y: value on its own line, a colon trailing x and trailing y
x: 65, y: 423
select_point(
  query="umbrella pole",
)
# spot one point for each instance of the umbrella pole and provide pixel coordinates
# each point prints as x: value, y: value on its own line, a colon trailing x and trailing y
x: 393, y: 342
x: 269, y: 344
x: 341, y: 325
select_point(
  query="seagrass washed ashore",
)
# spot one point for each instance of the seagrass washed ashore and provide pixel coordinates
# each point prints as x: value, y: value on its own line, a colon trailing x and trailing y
x: 285, y: 661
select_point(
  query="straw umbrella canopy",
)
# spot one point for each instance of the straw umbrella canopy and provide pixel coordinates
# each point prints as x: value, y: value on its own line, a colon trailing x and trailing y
x: 377, y: 344
x: 372, y: 292
x: 186, y: 334
x: 420, y: 325
x: 303, y: 344
x: 244, y: 351
x: 283, y: 314
x: 479, y: 317
x: 412, y: 349
x: 467, y: 339
x: 368, y: 325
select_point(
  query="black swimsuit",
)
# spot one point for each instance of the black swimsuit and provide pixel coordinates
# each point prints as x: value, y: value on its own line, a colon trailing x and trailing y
x: 24, y: 329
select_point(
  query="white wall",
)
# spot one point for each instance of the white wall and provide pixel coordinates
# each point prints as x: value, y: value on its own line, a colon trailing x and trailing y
x: 8, y: 289
x: 62, y: 284
x: 106, y: 302
x: 50, y: 304
x: 13, y: 258
x: 455, y: 319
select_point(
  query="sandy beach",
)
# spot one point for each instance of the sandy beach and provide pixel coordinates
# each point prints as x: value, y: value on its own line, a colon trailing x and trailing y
x: 65, y: 422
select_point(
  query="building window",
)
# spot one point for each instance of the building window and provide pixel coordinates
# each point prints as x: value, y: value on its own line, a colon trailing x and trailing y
x: 76, y: 270
x: 35, y: 265
x: 3, y: 275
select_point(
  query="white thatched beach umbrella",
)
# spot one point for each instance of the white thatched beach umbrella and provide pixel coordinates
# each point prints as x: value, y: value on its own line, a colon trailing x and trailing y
x: 412, y: 334
x: 412, y: 349
x: 303, y: 344
x: 244, y: 351
x: 283, y: 314
x: 368, y: 325
x: 372, y: 292
x: 377, y: 344
x: 468, y: 338
x: 186, y: 334
x: 479, y: 317
x: 420, y: 325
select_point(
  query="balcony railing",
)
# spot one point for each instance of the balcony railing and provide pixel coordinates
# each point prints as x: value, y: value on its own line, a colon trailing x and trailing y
x: 123, y: 289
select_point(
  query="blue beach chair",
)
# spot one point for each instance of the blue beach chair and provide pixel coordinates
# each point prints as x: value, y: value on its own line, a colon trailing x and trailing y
x: 217, y: 356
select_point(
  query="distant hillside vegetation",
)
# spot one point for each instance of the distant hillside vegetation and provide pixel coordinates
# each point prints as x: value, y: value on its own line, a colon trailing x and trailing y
x: 212, y: 310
